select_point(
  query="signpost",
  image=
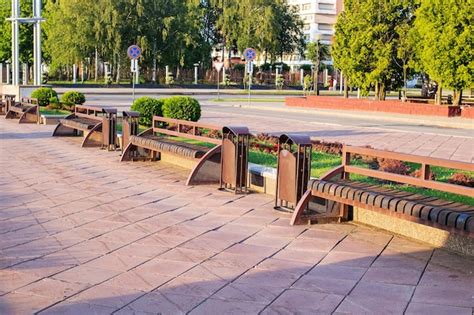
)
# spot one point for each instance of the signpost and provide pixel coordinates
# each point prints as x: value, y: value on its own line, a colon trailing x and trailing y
x: 218, y: 65
x: 250, y: 54
x: 134, y: 52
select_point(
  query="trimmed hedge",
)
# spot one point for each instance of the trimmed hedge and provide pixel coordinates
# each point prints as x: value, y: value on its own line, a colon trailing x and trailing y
x: 73, y: 98
x: 182, y: 107
x: 43, y: 95
x: 147, y: 107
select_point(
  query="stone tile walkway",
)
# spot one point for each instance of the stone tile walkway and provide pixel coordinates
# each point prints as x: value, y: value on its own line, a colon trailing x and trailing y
x: 81, y: 233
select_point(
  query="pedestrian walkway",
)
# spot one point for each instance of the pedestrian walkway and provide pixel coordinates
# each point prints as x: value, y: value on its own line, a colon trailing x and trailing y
x: 81, y: 233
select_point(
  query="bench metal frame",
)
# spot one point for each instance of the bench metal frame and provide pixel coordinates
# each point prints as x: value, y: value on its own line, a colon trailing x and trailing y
x: 102, y: 134
x: 184, y: 129
x: 5, y: 101
x: 26, y: 111
x: 343, y: 171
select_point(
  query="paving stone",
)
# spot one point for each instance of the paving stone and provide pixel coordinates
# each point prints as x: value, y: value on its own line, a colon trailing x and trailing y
x: 56, y: 289
x: 369, y: 305
x: 227, y: 307
x: 304, y: 302
x: 436, y: 309
x: 157, y: 303
x: 85, y: 274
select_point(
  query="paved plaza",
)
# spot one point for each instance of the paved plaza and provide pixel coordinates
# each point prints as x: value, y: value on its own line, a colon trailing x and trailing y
x: 81, y: 233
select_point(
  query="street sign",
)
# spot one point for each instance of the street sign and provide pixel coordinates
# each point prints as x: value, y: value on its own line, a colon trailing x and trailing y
x: 250, y: 54
x: 134, y: 65
x: 250, y: 67
x: 218, y: 66
x: 134, y: 52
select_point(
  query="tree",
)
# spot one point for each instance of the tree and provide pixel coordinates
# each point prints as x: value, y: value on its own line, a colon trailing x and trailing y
x: 366, y: 41
x: 317, y: 52
x: 446, y: 37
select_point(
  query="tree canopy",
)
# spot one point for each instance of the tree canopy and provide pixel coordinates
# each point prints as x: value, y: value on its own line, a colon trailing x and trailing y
x: 177, y: 33
x: 446, y: 36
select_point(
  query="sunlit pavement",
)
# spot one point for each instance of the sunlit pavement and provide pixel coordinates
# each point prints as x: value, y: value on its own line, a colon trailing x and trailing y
x: 81, y: 233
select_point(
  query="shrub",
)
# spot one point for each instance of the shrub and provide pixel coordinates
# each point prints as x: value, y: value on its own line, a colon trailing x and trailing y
x: 461, y: 179
x: 182, y: 107
x: 147, y: 107
x: 44, y: 95
x: 394, y: 166
x: 73, y: 98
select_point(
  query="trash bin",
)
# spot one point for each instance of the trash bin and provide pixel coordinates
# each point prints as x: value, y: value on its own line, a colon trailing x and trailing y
x: 130, y: 124
x: 234, y: 159
x: 293, y: 171
x: 109, y: 128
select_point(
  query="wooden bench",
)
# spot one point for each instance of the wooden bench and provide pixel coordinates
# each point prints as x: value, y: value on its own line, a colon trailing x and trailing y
x: 96, y: 124
x: 5, y: 101
x: 166, y: 141
x: 26, y: 111
x: 339, y: 192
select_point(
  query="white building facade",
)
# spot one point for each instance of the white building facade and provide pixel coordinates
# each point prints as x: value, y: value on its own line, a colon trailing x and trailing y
x: 319, y: 18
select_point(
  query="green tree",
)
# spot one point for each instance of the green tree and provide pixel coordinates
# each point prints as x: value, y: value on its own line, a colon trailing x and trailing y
x: 317, y: 52
x: 366, y: 42
x: 446, y: 36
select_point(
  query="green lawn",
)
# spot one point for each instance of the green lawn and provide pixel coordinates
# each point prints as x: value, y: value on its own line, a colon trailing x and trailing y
x: 44, y: 111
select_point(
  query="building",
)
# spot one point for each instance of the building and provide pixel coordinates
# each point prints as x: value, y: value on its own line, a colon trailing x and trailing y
x: 319, y: 18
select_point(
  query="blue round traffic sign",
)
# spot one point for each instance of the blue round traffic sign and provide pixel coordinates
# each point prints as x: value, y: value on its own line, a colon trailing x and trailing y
x: 134, y: 52
x: 250, y: 54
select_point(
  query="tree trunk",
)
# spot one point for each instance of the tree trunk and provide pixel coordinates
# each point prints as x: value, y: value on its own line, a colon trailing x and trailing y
x: 117, y: 79
x: 377, y: 96
x: 346, y: 89
x: 439, y: 95
x: 457, y: 98
x: 382, y: 92
x: 404, y: 83
x: 96, y: 65
x: 316, y: 78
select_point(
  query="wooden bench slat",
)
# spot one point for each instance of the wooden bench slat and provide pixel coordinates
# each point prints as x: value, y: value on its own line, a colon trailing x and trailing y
x: 446, y: 213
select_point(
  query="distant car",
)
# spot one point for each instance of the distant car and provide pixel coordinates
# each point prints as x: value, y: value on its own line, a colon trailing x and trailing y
x: 416, y: 82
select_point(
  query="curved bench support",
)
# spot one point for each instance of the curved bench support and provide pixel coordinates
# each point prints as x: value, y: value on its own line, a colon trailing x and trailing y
x: 130, y: 150
x: 305, y: 199
x: 30, y: 116
x: 207, y: 170
x: 300, y: 207
x: 93, y: 137
x: 62, y: 130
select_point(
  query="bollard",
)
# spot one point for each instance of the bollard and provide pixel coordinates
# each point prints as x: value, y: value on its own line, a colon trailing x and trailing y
x: 234, y: 159
x: 293, y: 171
x: 130, y: 123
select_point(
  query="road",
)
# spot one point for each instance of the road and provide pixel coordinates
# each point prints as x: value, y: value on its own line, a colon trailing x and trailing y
x: 451, y: 138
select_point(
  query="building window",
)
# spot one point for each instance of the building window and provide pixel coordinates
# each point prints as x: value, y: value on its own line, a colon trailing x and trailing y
x: 325, y: 27
x: 306, y: 6
x: 326, y: 6
x: 306, y: 27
